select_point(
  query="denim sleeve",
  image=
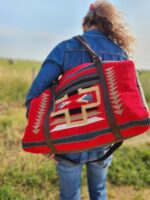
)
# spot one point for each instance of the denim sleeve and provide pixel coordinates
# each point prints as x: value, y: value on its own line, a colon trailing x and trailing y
x: 50, y: 70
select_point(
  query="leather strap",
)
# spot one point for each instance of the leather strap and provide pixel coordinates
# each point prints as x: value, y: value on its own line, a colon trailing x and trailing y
x: 106, y: 155
x: 107, y: 103
x: 109, y: 152
x: 46, y: 121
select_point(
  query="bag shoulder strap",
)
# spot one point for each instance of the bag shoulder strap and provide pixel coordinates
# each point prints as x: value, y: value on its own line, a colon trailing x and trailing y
x: 93, y: 55
x: 107, y: 104
x: 102, y: 79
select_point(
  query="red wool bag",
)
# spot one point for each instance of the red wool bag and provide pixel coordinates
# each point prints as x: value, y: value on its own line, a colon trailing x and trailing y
x: 92, y: 105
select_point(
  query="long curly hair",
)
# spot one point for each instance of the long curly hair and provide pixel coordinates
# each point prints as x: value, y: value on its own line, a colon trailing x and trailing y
x: 109, y: 20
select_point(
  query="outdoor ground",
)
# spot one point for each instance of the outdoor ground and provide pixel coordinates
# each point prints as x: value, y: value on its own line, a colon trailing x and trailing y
x: 24, y: 176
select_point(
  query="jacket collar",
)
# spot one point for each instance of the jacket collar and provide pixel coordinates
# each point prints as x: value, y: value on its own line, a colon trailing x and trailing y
x: 95, y: 32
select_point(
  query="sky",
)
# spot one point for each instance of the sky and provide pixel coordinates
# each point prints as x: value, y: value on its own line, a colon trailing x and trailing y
x: 30, y: 29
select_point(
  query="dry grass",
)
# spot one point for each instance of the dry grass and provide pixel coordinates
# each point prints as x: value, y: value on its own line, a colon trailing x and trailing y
x: 24, y: 176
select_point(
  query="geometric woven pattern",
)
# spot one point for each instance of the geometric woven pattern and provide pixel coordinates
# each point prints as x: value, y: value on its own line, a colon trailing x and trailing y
x: 40, y: 113
x: 114, y: 95
x: 85, y: 101
x: 88, y: 136
x: 79, y: 118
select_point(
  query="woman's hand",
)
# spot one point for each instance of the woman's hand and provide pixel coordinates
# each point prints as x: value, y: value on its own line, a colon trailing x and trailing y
x: 51, y: 156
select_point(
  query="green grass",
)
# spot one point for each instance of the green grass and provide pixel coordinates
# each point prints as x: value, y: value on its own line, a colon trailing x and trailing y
x: 16, y: 79
x: 20, y: 66
x: 14, y: 90
x: 145, y: 81
x: 130, y: 167
x: 24, y: 176
x: 7, y: 192
x: 30, y: 174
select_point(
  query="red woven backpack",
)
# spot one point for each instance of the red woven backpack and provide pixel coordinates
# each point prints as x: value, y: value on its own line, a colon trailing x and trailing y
x: 92, y: 105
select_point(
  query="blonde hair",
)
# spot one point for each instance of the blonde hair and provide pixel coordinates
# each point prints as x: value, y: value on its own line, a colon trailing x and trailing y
x: 109, y: 20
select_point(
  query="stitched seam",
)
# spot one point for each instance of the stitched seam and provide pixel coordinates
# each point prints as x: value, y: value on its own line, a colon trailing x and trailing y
x: 102, y: 52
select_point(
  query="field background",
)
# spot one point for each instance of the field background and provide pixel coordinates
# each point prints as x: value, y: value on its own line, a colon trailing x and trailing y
x: 24, y: 176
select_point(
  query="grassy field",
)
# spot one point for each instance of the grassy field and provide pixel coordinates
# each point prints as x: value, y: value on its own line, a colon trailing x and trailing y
x: 24, y: 176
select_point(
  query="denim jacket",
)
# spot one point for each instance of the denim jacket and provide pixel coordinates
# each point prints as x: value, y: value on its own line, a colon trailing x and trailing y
x: 69, y: 54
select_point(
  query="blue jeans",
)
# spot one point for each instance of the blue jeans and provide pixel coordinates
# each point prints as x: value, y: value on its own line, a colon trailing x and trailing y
x: 70, y: 175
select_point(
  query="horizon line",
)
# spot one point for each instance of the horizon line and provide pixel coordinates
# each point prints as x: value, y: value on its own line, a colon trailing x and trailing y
x: 41, y: 61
